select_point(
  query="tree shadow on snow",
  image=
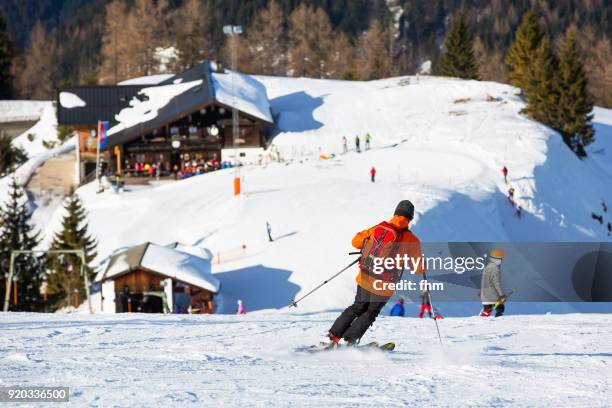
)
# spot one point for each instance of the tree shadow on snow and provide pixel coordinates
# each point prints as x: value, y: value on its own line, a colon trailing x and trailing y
x: 463, y: 222
x: 259, y: 287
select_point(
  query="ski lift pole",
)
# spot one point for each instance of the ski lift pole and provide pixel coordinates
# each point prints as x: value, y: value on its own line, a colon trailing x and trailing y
x: 7, y: 296
x: 433, y: 309
x: 84, y: 275
x: 295, y: 302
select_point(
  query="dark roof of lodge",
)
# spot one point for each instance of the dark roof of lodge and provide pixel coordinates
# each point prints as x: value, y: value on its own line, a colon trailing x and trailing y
x: 180, y: 105
x: 102, y: 104
x: 105, y: 102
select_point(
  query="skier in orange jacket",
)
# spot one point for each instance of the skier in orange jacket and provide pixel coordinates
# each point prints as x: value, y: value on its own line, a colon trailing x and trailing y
x: 373, y: 289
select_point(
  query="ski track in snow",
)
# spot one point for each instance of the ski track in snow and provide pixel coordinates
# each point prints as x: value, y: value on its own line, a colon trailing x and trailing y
x: 143, y: 360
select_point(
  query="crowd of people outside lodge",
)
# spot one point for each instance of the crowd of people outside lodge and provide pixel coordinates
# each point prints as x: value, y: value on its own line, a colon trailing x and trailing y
x: 159, y: 169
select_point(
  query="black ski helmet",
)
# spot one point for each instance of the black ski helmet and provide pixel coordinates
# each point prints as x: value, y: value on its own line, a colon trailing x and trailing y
x: 406, y: 209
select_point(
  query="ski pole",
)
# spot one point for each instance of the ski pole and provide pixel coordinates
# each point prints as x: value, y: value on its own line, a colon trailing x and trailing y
x: 433, y: 308
x: 295, y: 302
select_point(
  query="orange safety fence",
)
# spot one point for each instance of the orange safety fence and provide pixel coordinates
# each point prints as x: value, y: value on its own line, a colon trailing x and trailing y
x: 229, y: 255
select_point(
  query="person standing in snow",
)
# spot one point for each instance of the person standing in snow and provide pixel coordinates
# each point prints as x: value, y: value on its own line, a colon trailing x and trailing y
x: 372, y: 294
x: 511, y: 195
x: 519, y: 211
x: 367, y: 141
x: 373, y: 174
x: 597, y: 217
x: 240, y: 309
x: 505, y: 173
x: 398, y: 309
x: 491, y: 290
x: 344, y: 145
x: 425, y: 304
x: 357, y: 148
x: 269, y: 229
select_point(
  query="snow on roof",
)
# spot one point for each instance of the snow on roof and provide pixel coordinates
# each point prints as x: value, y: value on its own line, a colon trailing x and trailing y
x: 170, y: 262
x: 203, y: 253
x: 22, y: 111
x: 155, y: 98
x: 146, y: 80
x: 251, y: 97
x: 69, y: 100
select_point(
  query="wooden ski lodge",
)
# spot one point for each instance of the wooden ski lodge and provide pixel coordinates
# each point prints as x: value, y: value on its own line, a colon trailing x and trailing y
x: 150, y: 278
x: 174, y: 121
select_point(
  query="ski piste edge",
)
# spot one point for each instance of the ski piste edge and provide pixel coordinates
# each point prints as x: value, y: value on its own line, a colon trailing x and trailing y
x: 374, y: 345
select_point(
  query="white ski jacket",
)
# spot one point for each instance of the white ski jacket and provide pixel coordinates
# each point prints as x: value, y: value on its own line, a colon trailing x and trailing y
x: 490, y: 285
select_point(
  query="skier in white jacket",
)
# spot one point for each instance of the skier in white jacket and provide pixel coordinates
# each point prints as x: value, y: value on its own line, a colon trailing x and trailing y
x: 491, y: 291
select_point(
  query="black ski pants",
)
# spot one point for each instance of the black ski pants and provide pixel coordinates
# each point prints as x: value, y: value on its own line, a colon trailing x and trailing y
x: 352, y: 324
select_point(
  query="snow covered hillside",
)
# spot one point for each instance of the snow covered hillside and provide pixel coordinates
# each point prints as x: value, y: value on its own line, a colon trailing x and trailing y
x: 33, y: 140
x: 439, y: 142
x: 213, y: 360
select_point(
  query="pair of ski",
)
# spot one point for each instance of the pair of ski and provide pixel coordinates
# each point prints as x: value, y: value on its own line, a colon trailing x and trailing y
x: 374, y: 345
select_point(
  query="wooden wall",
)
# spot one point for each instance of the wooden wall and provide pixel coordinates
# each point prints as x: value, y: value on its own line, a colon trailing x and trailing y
x: 139, y: 281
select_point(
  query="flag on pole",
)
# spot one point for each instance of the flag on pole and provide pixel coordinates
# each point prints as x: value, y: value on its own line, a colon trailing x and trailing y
x: 102, y: 134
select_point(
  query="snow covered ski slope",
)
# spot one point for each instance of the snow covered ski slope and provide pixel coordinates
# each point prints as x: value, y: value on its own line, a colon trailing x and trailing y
x: 144, y: 360
x: 439, y: 142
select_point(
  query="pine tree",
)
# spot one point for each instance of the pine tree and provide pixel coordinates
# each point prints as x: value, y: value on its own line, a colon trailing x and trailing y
x: 6, y: 60
x: 544, y: 86
x: 341, y: 58
x: 575, y: 104
x: 114, y: 52
x: 522, y: 52
x: 17, y: 233
x: 10, y: 156
x: 193, y: 24
x: 266, y: 41
x: 65, y: 278
x: 375, y: 53
x: 310, y: 38
x: 38, y: 77
x: 458, y: 58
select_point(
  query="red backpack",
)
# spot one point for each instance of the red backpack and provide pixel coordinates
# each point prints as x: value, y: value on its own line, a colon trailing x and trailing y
x: 384, y: 242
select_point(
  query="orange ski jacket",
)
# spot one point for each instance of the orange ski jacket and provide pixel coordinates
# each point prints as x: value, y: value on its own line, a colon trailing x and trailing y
x: 412, y: 250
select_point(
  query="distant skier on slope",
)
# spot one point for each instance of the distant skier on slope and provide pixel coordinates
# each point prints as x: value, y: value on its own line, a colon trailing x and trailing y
x: 491, y: 291
x: 597, y: 217
x: 357, y: 141
x: 385, y: 240
x: 505, y: 173
x: 398, y: 308
x: 511, y: 195
x: 344, y: 145
x: 368, y: 138
x: 373, y: 174
x: 269, y: 230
